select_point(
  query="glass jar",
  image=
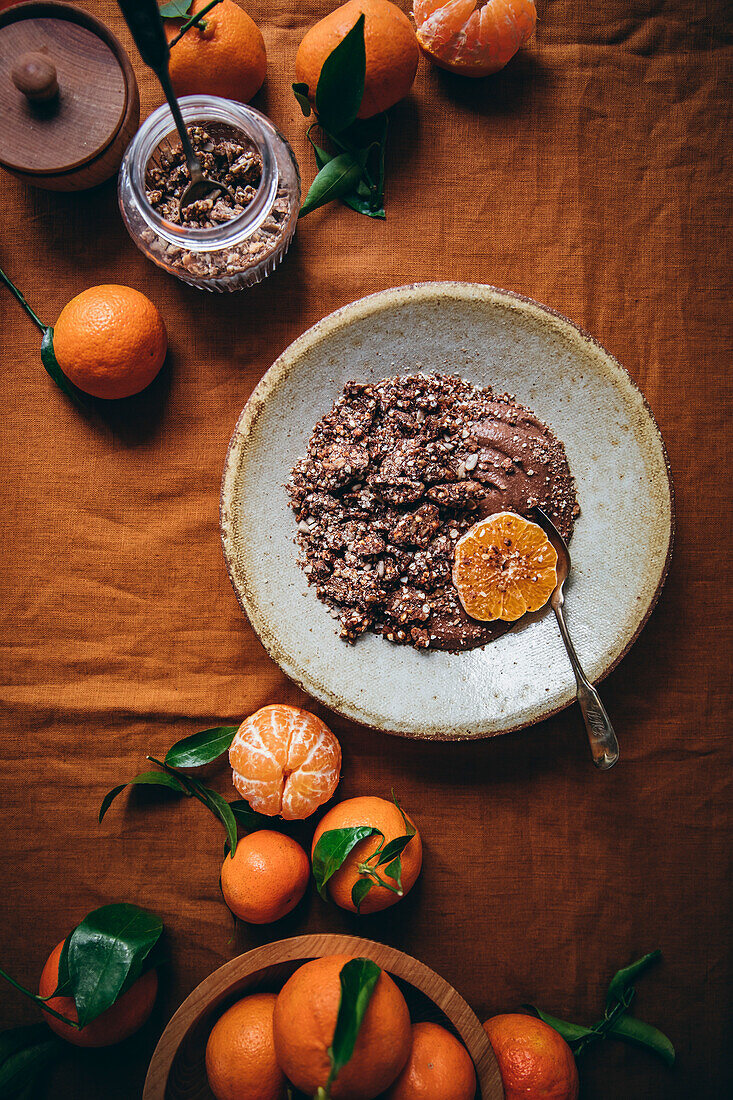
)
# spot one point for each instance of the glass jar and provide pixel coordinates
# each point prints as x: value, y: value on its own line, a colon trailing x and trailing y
x: 236, y: 253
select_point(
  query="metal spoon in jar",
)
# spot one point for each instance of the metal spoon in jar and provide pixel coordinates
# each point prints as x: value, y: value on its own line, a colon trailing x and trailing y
x: 146, y: 27
x: 601, y: 737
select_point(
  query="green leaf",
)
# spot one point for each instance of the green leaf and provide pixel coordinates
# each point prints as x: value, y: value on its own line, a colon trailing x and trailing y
x: 394, y: 849
x: 145, y: 779
x: 644, y: 1035
x: 106, y: 955
x: 200, y: 748
x: 362, y: 204
x: 221, y: 808
x: 300, y: 91
x: 341, y: 83
x: 332, y: 849
x: 571, y: 1033
x: 23, y: 1068
x: 247, y: 818
x: 335, y: 179
x: 394, y: 870
x: 358, y: 979
x: 19, y: 1038
x: 48, y: 358
x: 359, y: 891
x: 623, y: 981
x: 175, y: 9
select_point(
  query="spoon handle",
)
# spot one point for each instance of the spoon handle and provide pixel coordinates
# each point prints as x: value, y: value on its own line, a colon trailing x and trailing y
x: 601, y: 737
x: 146, y: 27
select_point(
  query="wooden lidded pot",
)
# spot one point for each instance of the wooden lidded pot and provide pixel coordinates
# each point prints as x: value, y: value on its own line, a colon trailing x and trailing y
x: 69, y: 101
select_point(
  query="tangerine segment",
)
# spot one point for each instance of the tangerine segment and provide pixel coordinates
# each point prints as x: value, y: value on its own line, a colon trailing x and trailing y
x: 285, y: 761
x: 473, y: 37
x: 504, y: 566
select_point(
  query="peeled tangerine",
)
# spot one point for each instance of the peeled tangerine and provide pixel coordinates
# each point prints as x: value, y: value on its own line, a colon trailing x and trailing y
x: 504, y: 566
x: 285, y: 761
x: 473, y: 37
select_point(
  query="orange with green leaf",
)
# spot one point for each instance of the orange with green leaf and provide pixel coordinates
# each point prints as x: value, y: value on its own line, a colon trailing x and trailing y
x: 366, y: 854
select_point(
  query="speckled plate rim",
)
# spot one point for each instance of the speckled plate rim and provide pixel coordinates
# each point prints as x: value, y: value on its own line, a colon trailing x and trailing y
x: 340, y: 318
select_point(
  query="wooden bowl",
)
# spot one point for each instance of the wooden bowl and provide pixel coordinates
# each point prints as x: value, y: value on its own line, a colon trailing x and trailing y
x: 177, y: 1070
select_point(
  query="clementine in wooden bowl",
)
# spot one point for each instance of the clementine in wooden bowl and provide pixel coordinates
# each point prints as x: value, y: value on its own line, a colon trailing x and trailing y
x: 533, y: 1058
x: 391, y: 49
x: 504, y: 567
x: 240, y: 1053
x: 473, y: 37
x: 439, y: 1067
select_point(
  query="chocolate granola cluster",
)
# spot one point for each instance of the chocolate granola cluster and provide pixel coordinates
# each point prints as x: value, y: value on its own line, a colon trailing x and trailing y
x: 395, y: 473
x: 226, y: 159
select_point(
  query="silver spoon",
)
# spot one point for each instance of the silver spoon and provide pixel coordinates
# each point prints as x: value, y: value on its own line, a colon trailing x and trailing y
x: 603, y: 744
x: 146, y: 27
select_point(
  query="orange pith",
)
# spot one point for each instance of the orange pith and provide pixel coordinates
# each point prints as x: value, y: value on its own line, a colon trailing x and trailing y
x: 439, y: 1068
x: 391, y: 48
x: 240, y: 1052
x: 266, y: 877
x: 534, y: 1060
x: 227, y: 58
x: 504, y: 566
x: 305, y: 1019
x: 123, y: 1019
x: 110, y: 340
x: 473, y: 37
x: 285, y: 761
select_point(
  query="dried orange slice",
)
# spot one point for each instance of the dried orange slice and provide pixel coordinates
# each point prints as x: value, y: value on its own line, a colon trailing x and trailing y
x: 285, y: 761
x: 504, y: 566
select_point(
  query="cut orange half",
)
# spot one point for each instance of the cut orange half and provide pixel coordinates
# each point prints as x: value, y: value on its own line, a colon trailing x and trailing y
x: 504, y: 566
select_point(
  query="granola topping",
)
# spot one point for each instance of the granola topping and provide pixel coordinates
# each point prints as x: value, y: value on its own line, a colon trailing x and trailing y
x: 395, y: 473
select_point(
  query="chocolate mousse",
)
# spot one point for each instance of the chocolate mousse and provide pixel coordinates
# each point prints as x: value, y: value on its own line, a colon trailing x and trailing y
x: 395, y: 473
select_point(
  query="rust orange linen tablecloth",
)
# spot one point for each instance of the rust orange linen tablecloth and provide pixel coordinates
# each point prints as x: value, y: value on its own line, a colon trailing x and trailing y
x: 591, y: 175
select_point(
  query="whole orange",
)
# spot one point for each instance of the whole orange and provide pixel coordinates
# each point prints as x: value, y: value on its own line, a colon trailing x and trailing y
x: 305, y: 1021
x: 240, y: 1053
x: 439, y: 1068
x: 110, y: 341
x: 534, y: 1060
x: 265, y: 878
x: 227, y: 58
x: 385, y: 816
x: 391, y: 47
x: 123, y: 1019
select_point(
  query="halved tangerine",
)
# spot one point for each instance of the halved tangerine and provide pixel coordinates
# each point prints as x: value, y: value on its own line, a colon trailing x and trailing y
x: 285, y: 761
x: 504, y: 566
x: 473, y: 37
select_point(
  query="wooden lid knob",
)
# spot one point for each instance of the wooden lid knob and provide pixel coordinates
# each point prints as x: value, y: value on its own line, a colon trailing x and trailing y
x: 34, y: 74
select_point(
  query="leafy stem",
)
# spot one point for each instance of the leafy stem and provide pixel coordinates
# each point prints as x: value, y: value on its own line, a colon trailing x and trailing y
x: 194, y: 21
x: 40, y: 1001
x: 20, y: 297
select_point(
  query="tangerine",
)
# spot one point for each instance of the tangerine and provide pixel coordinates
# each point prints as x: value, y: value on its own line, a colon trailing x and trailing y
x: 305, y: 1021
x: 122, y: 1019
x: 226, y: 58
x: 240, y: 1052
x: 391, y: 49
x: 383, y: 815
x: 265, y: 878
x: 504, y: 566
x: 285, y: 761
x: 439, y: 1068
x: 533, y: 1058
x: 473, y: 37
x: 110, y: 341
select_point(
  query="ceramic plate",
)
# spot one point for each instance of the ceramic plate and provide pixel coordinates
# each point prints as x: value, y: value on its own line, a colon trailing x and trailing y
x: 620, y: 549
